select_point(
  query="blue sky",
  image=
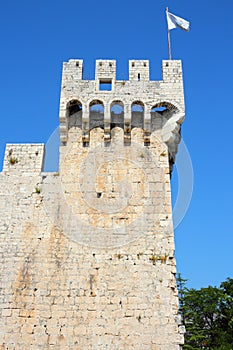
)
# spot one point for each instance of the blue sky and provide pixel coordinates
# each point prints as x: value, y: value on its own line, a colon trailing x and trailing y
x: 36, y: 37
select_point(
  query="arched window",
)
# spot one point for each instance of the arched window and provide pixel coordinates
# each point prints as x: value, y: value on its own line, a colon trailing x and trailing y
x: 74, y: 114
x: 137, y: 114
x: 159, y: 111
x: 96, y: 114
x: 117, y: 114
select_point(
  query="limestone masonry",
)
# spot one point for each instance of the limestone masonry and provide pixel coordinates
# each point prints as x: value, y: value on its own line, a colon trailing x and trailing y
x: 87, y: 253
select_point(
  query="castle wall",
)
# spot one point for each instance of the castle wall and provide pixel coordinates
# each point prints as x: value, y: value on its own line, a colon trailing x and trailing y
x: 87, y: 254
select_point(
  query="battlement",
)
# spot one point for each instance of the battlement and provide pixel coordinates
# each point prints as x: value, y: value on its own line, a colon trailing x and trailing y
x: 105, y: 70
x: 139, y: 70
x: 27, y: 159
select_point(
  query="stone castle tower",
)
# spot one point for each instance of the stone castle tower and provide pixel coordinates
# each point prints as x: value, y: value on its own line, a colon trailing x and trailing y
x: 87, y: 253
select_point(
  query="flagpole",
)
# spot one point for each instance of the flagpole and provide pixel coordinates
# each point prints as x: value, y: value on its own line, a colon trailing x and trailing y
x: 169, y: 40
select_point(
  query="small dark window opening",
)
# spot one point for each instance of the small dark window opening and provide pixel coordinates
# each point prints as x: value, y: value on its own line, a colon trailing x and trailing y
x: 144, y: 64
x: 139, y: 76
x: 105, y: 85
x: 100, y: 64
x: 99, y: 194
x: 77, y: 64
x: 132, y: 64
x: 147, y: 143
x: 167, y: 64
x: 110, y: 64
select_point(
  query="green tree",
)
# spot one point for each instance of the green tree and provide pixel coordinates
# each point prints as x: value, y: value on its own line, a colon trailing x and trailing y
x: 207, y: 314
x: 226, y: 308
x: 181, y: 286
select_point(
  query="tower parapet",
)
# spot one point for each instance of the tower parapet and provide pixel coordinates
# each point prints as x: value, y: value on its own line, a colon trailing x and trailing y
x: 27, y: 159
x: 163, y: 99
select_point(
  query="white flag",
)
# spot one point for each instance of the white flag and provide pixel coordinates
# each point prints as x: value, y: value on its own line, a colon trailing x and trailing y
x: 176, y: 22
